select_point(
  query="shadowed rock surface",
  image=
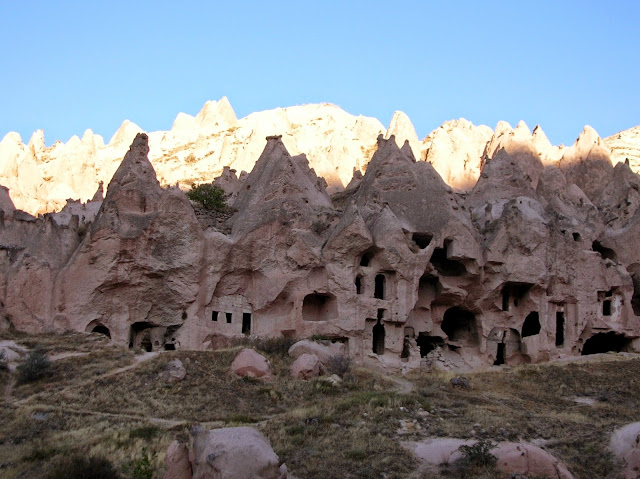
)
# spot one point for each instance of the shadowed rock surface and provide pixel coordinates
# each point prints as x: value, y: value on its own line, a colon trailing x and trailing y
x: 537, y: 260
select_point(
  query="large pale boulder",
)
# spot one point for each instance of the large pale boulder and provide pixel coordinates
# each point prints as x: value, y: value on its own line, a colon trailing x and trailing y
x: 527, y: 459
x: 174, y: 372
x: 11, y: 353
x: 625, y: 444
x: 512, y: 458
x: 232, y: 453
x: 306, y: 366
x: 322, y: 351
x: 250, y: 363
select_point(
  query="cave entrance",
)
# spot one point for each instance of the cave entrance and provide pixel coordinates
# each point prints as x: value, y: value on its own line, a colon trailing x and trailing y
x: 500, y: 355
x: 506, y: 344
x: 605, y: 343
x: 634, y: 269
x: 428, y: 343
x: 378, y: 338
x: 246, y: 323
x: 459, y: 325
x: 380, y: 286
x: 604, y: 252
x: 606, y: 297
x: 531, y: 325
x: 140, y: 336
x: 101, y: 329
x: 319, y: 307
x: 443, y: 264
x: 421, y: 240
x: 560, y: 328
x: 409, y: 334
x: 514, y: 293
x: 365, y: 260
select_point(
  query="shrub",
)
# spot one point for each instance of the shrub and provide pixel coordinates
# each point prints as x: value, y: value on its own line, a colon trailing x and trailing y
x: 35, y: 366
x: 339, y: 364
x: 144, y: 432
x: 82, y: 467
x: 274, y: 346
x: 211, y: 197
x: 320, y: 337
x: 141, y: 468
x: 479, y: 454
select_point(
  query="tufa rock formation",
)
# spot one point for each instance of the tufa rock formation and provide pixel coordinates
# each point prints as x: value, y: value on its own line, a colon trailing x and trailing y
x: 532, y: 258
x: 198, y: 148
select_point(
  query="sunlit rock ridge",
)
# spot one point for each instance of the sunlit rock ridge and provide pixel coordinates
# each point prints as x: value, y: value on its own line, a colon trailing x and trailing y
x: 196, y: 149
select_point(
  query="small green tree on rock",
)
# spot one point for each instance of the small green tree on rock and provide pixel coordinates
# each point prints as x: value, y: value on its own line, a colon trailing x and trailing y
x: 211, y: 197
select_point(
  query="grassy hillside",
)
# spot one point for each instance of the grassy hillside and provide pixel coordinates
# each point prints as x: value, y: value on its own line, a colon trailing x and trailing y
x: 104, y: 401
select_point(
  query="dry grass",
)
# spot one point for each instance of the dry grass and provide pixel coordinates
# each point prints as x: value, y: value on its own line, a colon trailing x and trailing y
x: 349, y: 431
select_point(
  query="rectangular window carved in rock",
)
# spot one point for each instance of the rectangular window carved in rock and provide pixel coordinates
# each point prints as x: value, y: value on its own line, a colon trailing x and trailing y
x: 246, y: 323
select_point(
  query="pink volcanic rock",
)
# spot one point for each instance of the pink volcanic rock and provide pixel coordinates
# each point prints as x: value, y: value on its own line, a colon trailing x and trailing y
x: 513, y: 458
x: 232, y: 453
x: 174, y: 372
x: 177, y: 462
x: 528, y: 459
x: 306, y: 366
x: 625, y: 444
x: 321, y: 351
x: 252, y: 364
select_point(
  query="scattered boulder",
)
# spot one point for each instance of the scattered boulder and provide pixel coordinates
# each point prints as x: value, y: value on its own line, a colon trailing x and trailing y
x: 232, y: 453
x: 334, y: 379
x: 529, y: 460
x: 460, y: 382
x: 252, y: 364
x: 625, y: 444
x: 177, y: 462
x: 306, y: 366
x: 512, y: 458
x: 323, y: 351
x: 174, y: 372
x: 11, y: 353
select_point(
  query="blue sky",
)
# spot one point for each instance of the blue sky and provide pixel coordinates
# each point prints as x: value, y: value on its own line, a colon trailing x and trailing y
x: 68, y: 66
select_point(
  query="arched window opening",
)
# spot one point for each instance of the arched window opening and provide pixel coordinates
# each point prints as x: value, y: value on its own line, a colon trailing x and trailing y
x: 378, y: 338
x: 100, y: 329
x: 366, y: 258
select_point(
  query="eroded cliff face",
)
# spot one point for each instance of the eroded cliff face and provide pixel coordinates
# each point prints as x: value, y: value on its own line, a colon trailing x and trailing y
x: 537, y: 259
x: 198, y: 148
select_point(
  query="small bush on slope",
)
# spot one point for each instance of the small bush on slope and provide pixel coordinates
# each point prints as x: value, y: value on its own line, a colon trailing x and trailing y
x: 209, y: 196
